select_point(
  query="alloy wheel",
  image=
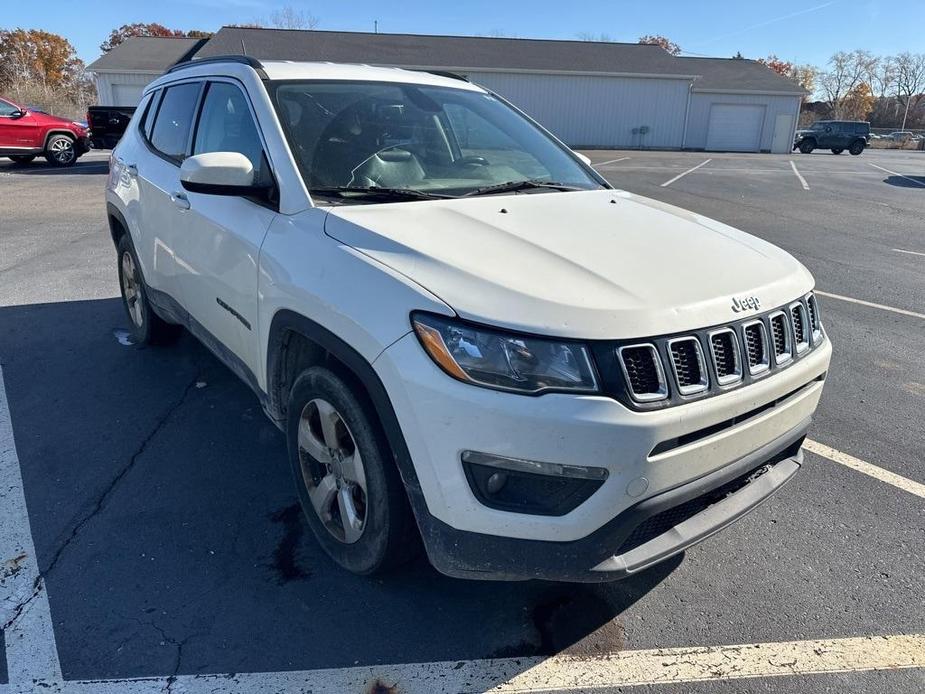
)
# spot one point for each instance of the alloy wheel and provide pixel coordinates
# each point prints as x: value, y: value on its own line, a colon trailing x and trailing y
x: 62, y: 150
x: 332, y: 470
x: 131, y: 291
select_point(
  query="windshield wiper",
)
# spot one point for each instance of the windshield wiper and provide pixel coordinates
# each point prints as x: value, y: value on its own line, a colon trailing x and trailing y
x: 376, y: 191
x: 512, y: 186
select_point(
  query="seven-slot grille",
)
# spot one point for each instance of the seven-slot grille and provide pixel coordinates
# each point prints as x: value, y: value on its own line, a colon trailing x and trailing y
x: 781, y: 337
x: 722, y: 358
x: 643, y: 371
x: 800, y: 328
x: 725, y: 350
x: 687, y: 363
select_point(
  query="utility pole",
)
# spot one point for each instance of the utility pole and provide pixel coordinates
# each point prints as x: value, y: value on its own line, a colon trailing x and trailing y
x: 906, y: 114
x: 376, y: 26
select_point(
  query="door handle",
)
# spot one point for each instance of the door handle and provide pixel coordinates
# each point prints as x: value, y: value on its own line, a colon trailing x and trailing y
x: 180, y: 200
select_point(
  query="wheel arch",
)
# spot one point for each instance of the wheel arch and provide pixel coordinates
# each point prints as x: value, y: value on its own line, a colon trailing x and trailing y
x: 58, y: 131
x: 118, y: 227
x: 295, y: 342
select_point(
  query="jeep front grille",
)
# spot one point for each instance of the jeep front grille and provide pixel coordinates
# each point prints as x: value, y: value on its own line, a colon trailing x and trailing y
x: 781, y: 337
x: 688, y: 365
x: 642, y: 368
x: 800, y: 327
x: 756, y: 345
x: 724, y: 349
x: 710, y: 361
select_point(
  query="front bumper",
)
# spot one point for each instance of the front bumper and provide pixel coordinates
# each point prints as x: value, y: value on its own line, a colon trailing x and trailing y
x: 643, y: 535
x: 440, y: 418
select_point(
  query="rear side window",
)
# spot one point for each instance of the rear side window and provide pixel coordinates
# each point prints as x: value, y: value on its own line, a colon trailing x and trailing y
x: 170, y: 134
x: 147, y: 120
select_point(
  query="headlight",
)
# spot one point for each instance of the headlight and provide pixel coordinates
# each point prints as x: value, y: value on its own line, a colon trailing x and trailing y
x: 505, y: 361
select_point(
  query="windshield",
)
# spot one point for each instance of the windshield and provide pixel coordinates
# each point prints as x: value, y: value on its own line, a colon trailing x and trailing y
x: 433, y: 140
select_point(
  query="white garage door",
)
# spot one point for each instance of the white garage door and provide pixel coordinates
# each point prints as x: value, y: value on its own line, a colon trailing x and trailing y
x: 126, y: 94
x: 735, y: 127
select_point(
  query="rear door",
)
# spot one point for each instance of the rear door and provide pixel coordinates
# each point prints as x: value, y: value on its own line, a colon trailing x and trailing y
x: 218, y: 249
x: 166, y: 132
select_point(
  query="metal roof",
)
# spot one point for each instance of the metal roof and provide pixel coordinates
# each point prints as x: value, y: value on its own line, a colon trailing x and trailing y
x: 455, y: 53
x: 151, y: 54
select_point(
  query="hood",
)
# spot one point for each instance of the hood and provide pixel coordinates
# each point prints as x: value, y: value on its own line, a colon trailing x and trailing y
x: 593, y: 264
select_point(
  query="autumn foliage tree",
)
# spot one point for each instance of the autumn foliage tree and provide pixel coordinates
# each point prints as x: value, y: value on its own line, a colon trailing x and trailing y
x: 117, y: 36
x: 656, y: 40
x: 39, y: 67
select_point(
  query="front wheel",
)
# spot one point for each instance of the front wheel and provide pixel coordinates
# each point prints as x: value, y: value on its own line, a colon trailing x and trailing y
x: 60, y: 151
x: 23, y: 158
x: 348, y: 484
x: 837, y: 150
x: 807, y: 146
x: 856, y: 148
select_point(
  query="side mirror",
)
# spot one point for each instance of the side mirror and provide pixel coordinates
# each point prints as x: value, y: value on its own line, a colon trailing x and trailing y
x: 586, y: 159
x: 220, y: 173
x: 19, y: 113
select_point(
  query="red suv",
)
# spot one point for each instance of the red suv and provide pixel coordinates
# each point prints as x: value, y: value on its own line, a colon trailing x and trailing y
x: 26, y: 133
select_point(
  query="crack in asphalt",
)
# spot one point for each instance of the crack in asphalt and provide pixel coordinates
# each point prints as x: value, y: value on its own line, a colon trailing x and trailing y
x: 102, y: 498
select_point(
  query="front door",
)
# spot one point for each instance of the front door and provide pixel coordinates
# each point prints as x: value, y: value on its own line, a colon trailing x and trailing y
x: 223, y: 234
x: 18, y: 132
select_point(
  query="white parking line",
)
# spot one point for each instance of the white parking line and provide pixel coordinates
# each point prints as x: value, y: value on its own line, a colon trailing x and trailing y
x: 25, y: 617
x: 609, y: 161
x: 879, y: 473
x: 681, y: 175
x: 799, y: 176
x: 871, y: 304
x: 900, y: 250
x: 894, y: 173
x: 562, y: 672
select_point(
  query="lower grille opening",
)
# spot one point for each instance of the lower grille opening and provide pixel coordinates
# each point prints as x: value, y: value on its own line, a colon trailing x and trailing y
x: 695, y: 436
x: 662, y: 522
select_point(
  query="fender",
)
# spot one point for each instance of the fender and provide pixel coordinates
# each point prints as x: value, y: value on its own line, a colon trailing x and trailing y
x: 113, y: 213
x: 59, y: 131
x: 285, y: 320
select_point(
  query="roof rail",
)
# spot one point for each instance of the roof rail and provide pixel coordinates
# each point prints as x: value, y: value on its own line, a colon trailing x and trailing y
x: 241, y: 59
x: 445, y: 73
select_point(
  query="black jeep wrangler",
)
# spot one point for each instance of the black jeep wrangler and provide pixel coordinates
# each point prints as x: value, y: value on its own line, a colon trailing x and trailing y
x: 837, y: 135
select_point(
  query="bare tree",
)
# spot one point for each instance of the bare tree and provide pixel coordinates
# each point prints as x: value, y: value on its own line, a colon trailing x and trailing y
x: 591, y: 36
x: 290, y: 18
x: 846, y: 71
x: 909, y: 81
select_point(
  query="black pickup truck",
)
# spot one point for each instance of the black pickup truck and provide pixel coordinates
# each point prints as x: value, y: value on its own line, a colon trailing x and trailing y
x: 107, y: 123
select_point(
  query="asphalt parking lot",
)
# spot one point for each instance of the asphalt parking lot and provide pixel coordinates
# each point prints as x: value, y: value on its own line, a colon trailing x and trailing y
x: 167, y: 533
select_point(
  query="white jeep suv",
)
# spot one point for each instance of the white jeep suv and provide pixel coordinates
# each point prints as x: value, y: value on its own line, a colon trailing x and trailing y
x: 467, y: 335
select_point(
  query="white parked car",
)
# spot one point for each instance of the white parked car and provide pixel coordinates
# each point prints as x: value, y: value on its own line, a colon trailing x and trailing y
x: 467, y: 335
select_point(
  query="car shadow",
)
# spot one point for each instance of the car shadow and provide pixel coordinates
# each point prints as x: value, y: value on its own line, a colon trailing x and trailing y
x: 41, y: 168
x: 167, y: 528
x: 906, y: 181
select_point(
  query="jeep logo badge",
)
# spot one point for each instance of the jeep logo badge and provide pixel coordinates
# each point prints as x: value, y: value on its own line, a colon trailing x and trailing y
x: 745, y: 303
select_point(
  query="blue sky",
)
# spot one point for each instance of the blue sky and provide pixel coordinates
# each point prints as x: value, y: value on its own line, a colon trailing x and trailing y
x: 798, y: 30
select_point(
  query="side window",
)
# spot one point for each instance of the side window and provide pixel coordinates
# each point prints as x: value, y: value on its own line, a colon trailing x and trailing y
x: 147, y: 120
x: 174, y: 120
x: 226, y: 125
x: 7, y: 109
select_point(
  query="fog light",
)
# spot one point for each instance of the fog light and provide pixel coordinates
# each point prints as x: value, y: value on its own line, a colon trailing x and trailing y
x: 530, y: 486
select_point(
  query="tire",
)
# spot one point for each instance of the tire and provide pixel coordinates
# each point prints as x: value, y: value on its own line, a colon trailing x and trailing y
x: 146, y: 327
x: 60, y: 151
x: 856, y: 148
x: 837, y: 150
x: 344, y: 469
x: 23, y: 158
x: 807, y: 146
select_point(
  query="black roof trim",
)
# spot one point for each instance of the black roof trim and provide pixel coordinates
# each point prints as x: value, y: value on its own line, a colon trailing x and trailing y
x: 240, y: 59
x: 445, y: 73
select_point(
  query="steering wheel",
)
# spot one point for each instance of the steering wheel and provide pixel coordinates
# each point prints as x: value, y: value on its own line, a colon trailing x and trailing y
x: 473, y: 160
